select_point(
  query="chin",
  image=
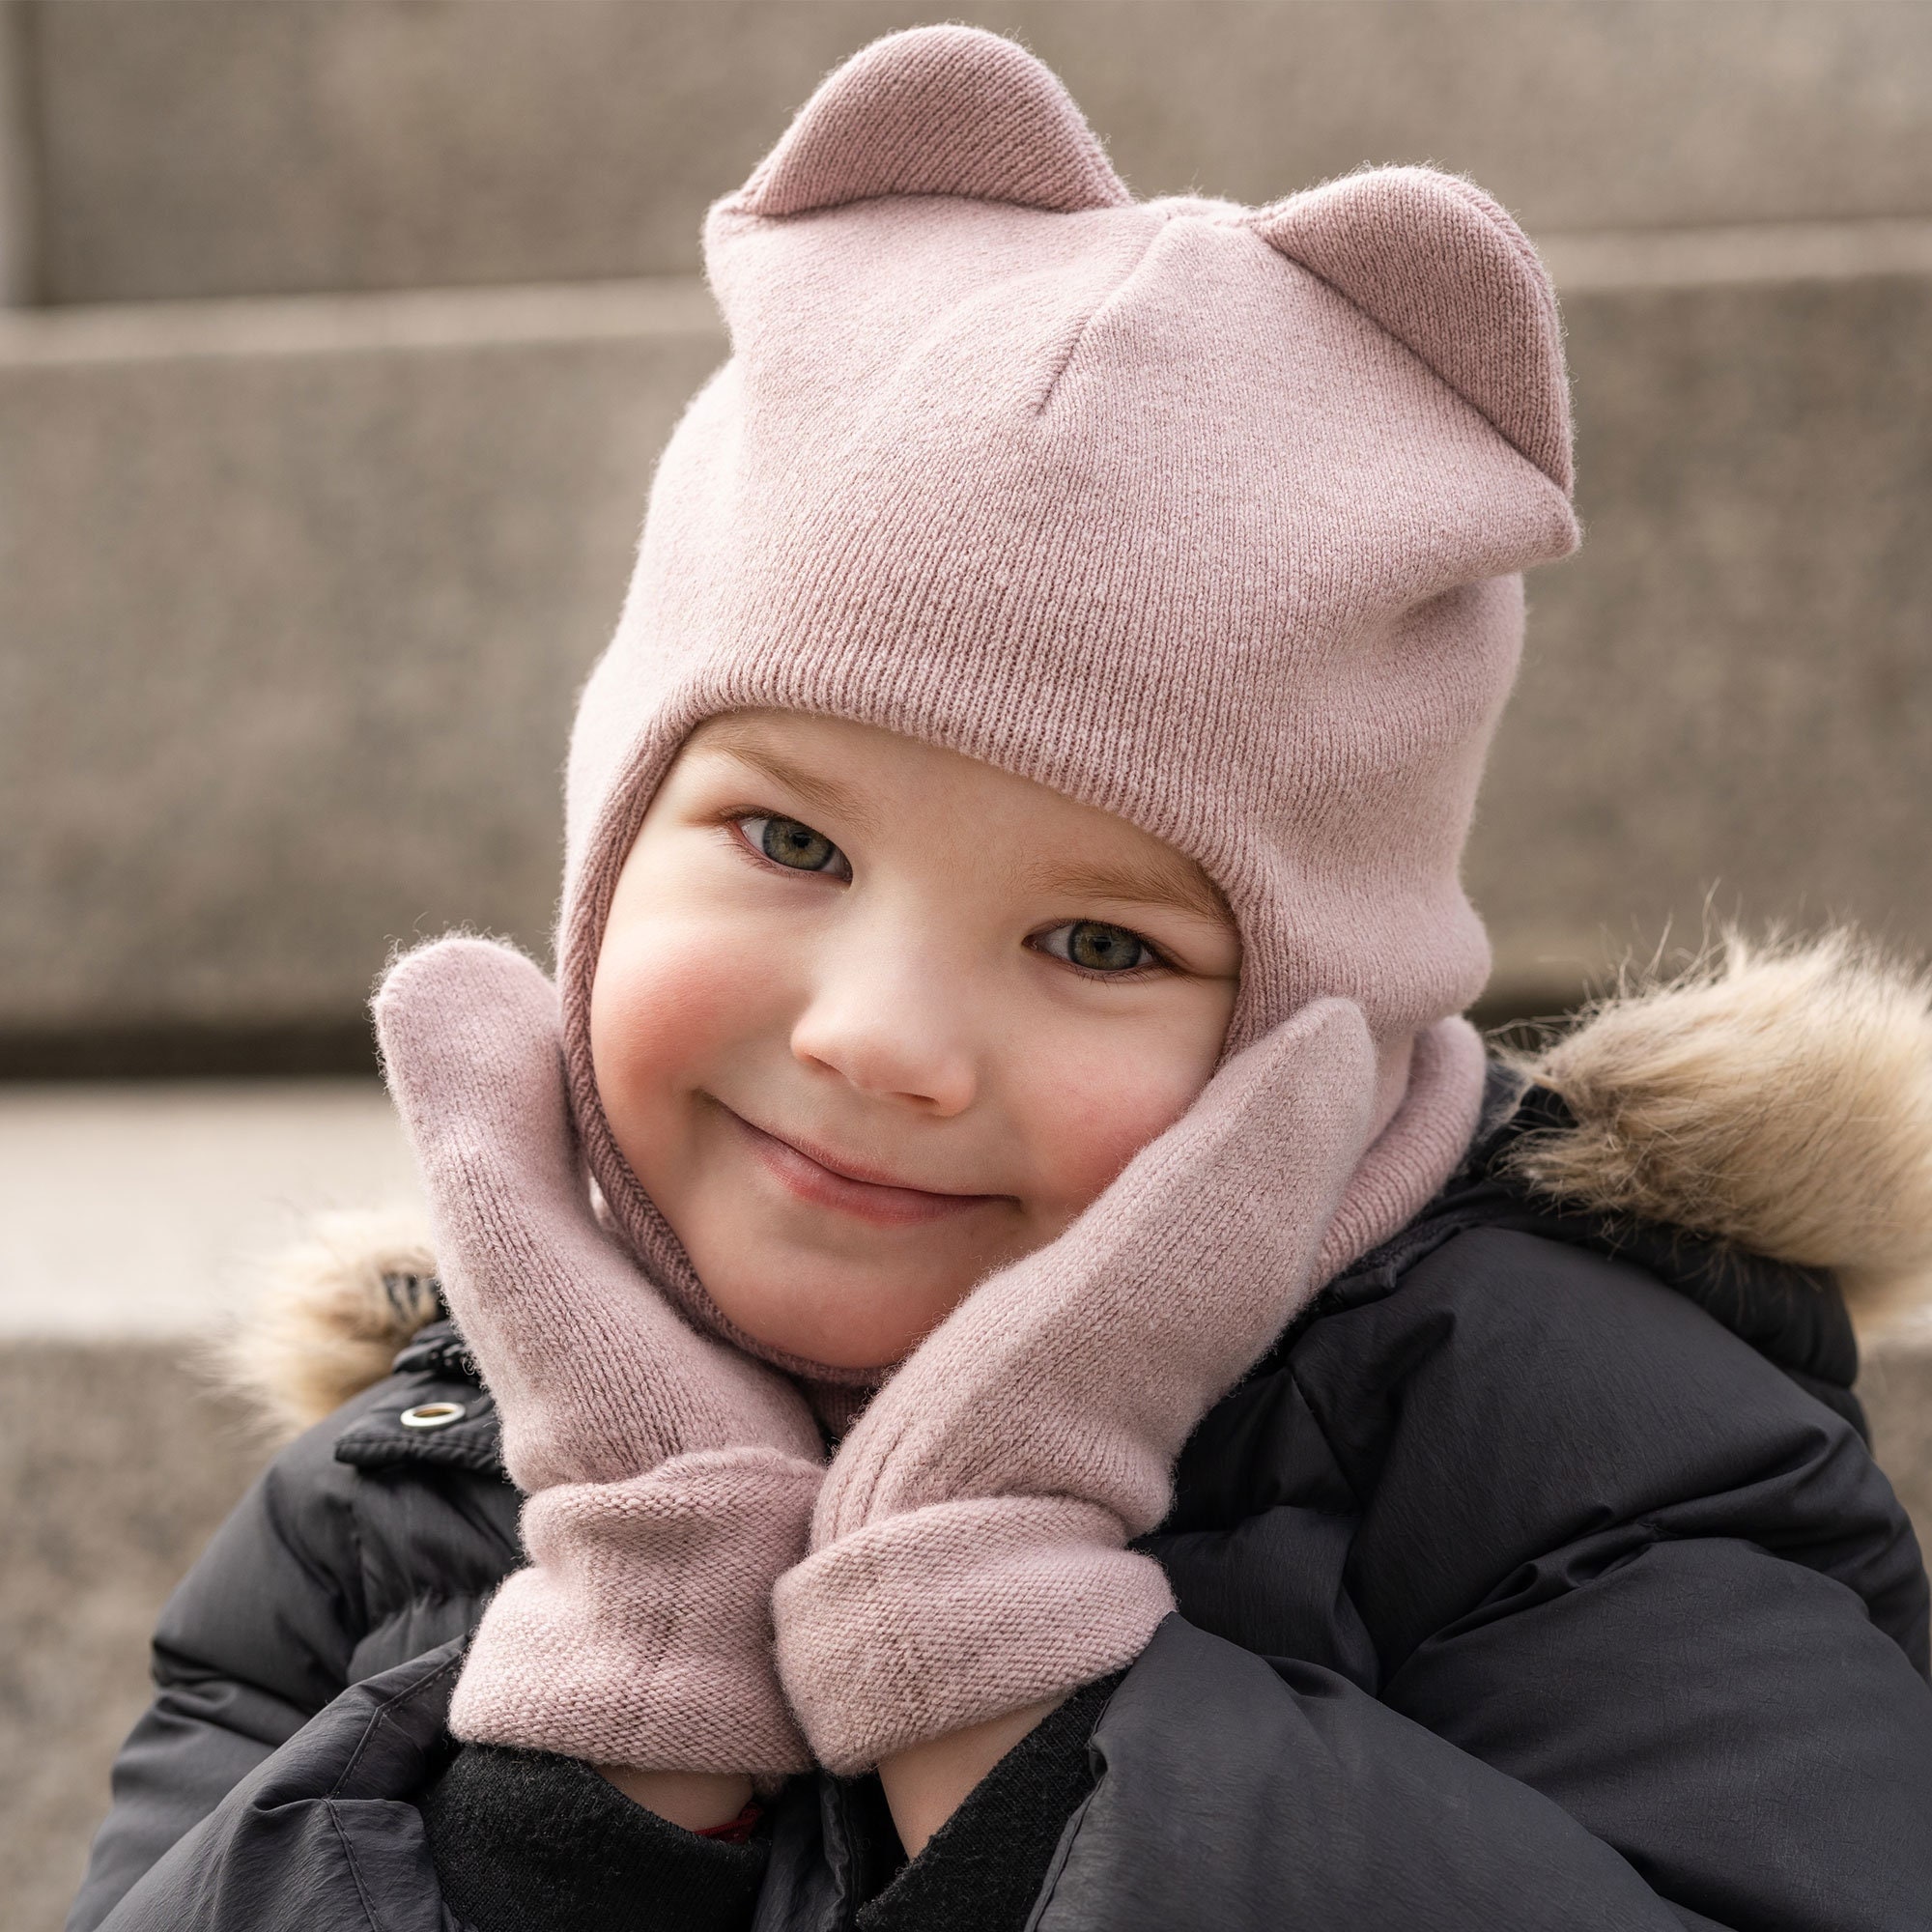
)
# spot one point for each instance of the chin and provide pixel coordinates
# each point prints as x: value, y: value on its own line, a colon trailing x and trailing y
x: 826, y: 1327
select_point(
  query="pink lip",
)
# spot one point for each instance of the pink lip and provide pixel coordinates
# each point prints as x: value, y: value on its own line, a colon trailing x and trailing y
x: 816, y: 1177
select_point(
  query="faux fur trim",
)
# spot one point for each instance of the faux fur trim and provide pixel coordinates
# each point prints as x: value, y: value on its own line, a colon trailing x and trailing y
x: 1775, y: 1095
x: 329, y: 1316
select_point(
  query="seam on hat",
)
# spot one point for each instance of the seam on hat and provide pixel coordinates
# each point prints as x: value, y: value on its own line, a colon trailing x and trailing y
x: 1410, y: 349
x: 1094, y: 315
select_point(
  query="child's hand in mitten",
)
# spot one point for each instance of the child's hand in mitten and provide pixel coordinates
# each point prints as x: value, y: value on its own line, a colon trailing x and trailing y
x: 969, y: 1546
x: 669, y: 1479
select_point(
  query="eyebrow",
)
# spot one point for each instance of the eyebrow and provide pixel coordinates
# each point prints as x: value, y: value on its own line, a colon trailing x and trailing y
x: 1168, y: 881
x: 741, y: 739
x: 1153, y: 882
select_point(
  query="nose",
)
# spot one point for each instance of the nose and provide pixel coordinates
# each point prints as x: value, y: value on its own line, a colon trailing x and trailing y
x: 893, y: 1022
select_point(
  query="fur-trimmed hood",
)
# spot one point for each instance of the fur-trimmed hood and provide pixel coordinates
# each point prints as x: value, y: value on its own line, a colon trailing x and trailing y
x: 329, y: 1316
x: 1775, y: 1097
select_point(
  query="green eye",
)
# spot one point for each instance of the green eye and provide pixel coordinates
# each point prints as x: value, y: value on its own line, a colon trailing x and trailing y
x: 784, y: 841
x: 1099, y: 949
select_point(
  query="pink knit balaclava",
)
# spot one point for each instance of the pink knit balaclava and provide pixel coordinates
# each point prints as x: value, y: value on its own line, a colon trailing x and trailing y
x: 1212, y: 517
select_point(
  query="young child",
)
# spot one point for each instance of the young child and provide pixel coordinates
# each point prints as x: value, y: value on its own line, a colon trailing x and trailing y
x: 1046, y: 1383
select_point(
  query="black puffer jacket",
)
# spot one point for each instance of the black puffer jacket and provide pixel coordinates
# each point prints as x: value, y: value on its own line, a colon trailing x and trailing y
x: 1539, y: 1578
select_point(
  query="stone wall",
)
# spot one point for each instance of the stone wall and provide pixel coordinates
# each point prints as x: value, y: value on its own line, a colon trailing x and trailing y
x: 248, y: 147
x: 297, y: 595
x: 295, y: 590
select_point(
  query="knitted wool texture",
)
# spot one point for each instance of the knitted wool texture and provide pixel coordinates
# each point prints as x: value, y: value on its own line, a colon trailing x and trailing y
x: 968, y: 1545
x: 1209, y: 515
x: 669, y: 1480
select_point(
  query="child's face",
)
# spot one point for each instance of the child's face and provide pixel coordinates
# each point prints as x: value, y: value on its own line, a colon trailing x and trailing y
x: 871, y: 1019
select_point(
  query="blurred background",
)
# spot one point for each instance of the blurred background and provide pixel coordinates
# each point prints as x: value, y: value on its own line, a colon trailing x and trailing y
x: 339, y: 340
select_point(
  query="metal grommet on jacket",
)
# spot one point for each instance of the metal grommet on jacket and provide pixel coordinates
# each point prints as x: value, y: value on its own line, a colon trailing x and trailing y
x: 433, y: 1414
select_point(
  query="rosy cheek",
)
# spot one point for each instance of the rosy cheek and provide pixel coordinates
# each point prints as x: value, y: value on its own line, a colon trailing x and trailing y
x: 1090, y: 1116
x: 662, y: 1012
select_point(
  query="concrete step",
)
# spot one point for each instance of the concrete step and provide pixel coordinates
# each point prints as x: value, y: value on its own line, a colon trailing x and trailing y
x: 131, y: 1221
x: 128, y: 1220
x: 184, y: 148
x: 294, y: 600
x: 139, y: 1212
x: 1725, y: 707
x: 115, y: 1469
x: 295, y: 595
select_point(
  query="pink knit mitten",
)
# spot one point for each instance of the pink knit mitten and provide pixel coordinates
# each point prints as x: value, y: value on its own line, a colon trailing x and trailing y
x: 668, y: 1478
x: 968, y: 1547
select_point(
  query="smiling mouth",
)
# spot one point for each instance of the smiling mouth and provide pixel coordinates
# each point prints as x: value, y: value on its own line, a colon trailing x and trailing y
x: 814, y: 1176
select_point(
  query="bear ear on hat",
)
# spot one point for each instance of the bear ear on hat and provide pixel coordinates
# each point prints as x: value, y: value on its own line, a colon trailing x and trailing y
x: 936, y: 110
x: 1444, y: 270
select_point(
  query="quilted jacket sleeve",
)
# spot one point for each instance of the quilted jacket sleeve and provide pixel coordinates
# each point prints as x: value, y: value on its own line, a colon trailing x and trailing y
x: 1614, y: 1556
x: 322, y: 1834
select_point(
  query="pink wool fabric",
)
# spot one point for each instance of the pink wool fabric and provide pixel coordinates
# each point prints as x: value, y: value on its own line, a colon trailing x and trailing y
x: 668, y: 1479
x: 1209, y: 515
x: 969, y: 1546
